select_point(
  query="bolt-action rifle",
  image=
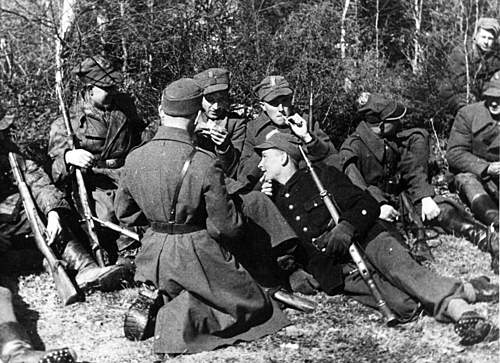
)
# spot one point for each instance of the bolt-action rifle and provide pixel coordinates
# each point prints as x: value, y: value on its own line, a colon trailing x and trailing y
x: 65, y: 288
x: 365, y: 273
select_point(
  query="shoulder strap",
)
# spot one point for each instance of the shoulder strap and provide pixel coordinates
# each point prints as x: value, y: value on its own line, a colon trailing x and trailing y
x: 184, y: 170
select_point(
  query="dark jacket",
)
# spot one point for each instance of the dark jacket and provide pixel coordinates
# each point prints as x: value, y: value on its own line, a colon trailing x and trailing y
x: 303, y: 208
x: 474, y: 140
x: 402, y: 160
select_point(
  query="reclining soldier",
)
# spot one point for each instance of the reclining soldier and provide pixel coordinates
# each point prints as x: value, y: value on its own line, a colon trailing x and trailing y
x: 323, y: 253
x: 387, y: 160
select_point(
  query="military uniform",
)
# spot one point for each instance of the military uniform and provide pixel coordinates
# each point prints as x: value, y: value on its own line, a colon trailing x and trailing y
x: 211, y: 300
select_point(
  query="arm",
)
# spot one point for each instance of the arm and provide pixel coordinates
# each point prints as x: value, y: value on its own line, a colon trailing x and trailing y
x: 58, y: 146
x: 127, y: 211
x: 230, y: 155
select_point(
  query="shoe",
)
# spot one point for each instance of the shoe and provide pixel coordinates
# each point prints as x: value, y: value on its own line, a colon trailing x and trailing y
x: 473, y: 329
x: 108, y: 278
x: 485, y: 291
x: 421, y: 251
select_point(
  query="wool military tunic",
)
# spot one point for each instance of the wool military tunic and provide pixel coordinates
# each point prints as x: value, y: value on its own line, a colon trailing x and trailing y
x: 211, y: 300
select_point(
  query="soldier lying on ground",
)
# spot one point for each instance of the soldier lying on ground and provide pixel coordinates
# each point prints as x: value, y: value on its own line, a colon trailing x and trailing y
x: 323, y: 252
x: 107, y: 127
x: 210, y: 300
x: 474, y: 155
x: 386, y: 160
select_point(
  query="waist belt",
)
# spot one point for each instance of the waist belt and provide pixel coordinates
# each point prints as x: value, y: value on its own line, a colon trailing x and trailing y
x: 174, y: 228
x: 110, y: 163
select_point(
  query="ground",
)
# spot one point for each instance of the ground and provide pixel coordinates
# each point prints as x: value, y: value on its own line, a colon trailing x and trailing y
x: 340, y: 330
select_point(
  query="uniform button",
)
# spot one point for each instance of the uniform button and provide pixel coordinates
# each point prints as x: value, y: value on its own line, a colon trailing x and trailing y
x: 363, y: 212
x: 290, y: 206
x: 304, y: 229
x: 313, y: 240
x: 315, y: 204
x: 297, y: 218
x: 157, y: 337
x: 287, y: 195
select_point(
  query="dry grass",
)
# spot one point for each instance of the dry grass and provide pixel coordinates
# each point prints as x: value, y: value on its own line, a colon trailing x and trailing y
x: 340, y: 330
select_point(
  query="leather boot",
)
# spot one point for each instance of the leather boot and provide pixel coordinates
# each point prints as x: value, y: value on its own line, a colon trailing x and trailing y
x: 89, y: 275
x: 485, y: 210
x: 15, y: 348
x: 455, y: 220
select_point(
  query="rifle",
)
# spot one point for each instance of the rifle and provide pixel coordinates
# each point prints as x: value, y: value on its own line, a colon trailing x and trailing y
x: 390, y: 318
x: 118, y: 229
x: 65, y: 288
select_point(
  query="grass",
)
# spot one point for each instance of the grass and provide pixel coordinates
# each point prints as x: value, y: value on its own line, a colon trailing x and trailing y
x: 340, y: 330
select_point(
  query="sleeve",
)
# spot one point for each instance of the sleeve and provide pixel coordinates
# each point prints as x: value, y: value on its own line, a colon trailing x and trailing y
x: 248, y: 171
x: 356, y: 206
x: 126, y: 209
x: 459, y: 153
x: 231, y: 156
x: 413, y: 165
x: 45, y: 194
x: 320, y: 147
x: 58, y: 146
x: 224, y: 221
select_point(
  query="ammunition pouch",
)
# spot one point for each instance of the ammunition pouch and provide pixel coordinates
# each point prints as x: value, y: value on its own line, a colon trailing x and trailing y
x: 140, y: 318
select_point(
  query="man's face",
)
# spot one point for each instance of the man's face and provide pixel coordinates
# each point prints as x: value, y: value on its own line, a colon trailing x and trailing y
x: 102, y: 95
x: 390, y: 128
x: 278, y: 109
x: 271, y: 163
x: 493, y: 104
x: 215, y: 104
x: 484, y: 40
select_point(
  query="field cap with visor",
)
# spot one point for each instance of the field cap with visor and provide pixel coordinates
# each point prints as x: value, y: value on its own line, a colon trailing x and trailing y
x: 213, y: 80
x: 378, y: 108
x: 493, y: 88
x: 272, y: 87
x: 182, y: 97
x: 490, y: 24
x: 97, y: 71
x: 281, y: 141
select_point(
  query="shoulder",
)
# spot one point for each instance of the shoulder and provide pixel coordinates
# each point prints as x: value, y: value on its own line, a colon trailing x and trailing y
x: 413, y: 132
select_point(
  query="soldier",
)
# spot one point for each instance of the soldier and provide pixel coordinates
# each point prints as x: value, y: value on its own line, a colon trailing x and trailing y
x: 387, y: 160
x: 483, y: 60
x: 210, y: 300
x: 275, y: 96
x: 405, y: 284
x: 473, y: 154
x: 217, y: 128
x: 107, y: 127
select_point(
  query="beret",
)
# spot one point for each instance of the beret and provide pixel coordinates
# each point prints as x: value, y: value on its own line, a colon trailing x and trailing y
x: 489, y: 24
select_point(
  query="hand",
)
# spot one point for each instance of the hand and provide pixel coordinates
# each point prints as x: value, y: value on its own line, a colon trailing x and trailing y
x: 430, y: 209
x: 337, y: 241
x: 388, y: 213
x: 53, y: 224
x: 267, y: 187
x: 303, y: 282
x: 299, y: 127
x: 80, y: 158
x: 494, y: 168
x: 219, y: 136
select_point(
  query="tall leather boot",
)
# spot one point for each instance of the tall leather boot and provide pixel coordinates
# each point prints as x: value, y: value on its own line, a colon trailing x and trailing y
x: 455, y: 220
x: 89, y: 275
x: 485, y: 209
x: 15, y: 347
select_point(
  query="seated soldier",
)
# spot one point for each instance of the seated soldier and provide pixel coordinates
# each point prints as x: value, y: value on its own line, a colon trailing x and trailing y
x: 406, y: 285
x: 210, y: 300
x: 474, y: 154
x: 391, y: 164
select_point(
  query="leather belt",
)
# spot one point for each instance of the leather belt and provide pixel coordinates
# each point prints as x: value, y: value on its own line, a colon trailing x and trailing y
x: 110, y: 163
x: 174, y: 228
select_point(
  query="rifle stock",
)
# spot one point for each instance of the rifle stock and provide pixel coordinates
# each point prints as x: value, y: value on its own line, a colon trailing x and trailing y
x: 365, y: 273
x: 65, y: 288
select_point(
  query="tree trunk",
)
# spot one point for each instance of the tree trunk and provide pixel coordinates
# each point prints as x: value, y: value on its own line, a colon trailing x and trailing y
x: 342, y: 29
x: 123, y: 5
x: 377, y: 15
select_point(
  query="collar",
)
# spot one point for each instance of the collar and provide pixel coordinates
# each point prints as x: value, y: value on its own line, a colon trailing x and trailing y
x: 174, y: 134
x: 295, y: 178
x: 373, y: 142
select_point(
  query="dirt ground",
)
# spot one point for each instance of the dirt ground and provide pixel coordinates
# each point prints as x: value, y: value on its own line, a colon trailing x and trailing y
x: 340, y: 330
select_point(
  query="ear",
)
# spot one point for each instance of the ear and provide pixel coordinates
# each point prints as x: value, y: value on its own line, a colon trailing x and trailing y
x: 284, y: 158
x: 261, y: 104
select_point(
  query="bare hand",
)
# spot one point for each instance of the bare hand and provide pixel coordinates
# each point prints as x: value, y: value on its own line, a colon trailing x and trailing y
x: 388, y: 213
x: 53, y: 224
x: 219, y: 135
x: 80, y: 158
x: 430, y: 209
x: 299, y: 127
x: 267, y: 187
x: 494, y: 168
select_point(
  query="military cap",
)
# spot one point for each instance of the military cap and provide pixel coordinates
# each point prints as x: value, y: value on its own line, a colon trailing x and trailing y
x: 271, y: 87
x: 213, y: 80
x: 374, y: 104
x: 6, y: 120
x: 97, y: 71
x: 182, y: 97
x: 493, y: 89
x: 489, y: 24
x: 281, y: 141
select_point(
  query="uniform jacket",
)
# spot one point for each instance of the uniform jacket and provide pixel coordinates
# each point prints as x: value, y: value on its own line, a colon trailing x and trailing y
x: 379, y: 160
x: 236, y: 128
x: 248, y: 172
x: 481, y: 69
x: 474, y: 140
x: 46, y: 195
x: 107, y: 133
x: 302, y: 206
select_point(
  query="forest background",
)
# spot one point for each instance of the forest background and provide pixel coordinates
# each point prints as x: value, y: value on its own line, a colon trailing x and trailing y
x: 332, y: 49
